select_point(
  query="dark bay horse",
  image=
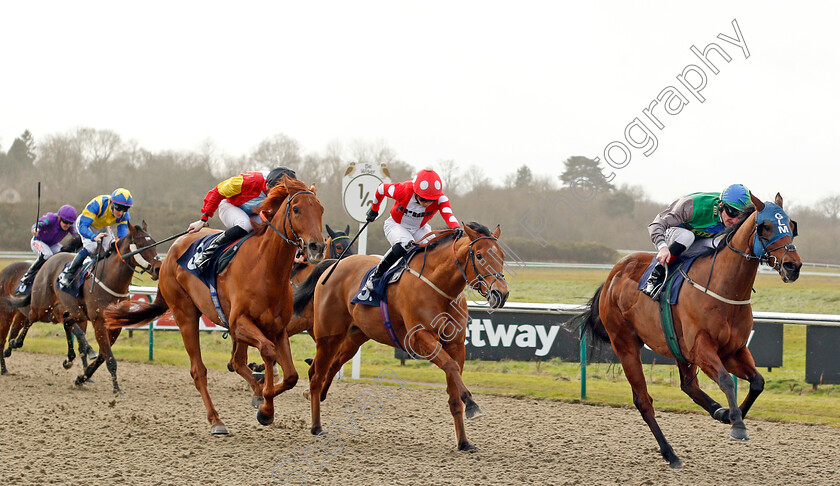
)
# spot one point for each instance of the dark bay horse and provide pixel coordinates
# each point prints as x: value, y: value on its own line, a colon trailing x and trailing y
x: 108, y: 283
x: 337, y: 242
x: 428, y: 314
x: 712, y: 325
x: 254, y: 290
x: 14, y: 321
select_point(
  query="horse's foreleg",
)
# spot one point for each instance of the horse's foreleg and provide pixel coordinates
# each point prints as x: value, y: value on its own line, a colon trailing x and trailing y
x: 742, y: 365
x: 239, y: 364
x: 351, y: 343
x: 284, y: 356
x: 324, y: 351
x: 689, y: 385
x: 247, y: 333
x: 709, y: 362
x: 628, y: 350
x: 5, y: 324
x: 425, y: 345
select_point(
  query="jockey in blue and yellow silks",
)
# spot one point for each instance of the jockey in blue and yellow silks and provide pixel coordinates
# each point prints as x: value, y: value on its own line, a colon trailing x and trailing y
x: 94, y: 226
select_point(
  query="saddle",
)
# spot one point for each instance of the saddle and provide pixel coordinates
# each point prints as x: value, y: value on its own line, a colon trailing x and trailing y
x: 392, y: 275
x: 75, y: 288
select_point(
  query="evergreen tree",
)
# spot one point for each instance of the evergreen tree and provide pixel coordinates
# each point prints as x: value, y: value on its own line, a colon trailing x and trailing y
x: 584, y: 171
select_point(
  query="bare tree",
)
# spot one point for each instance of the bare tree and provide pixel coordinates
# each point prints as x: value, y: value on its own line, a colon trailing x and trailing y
x: 279, y: 150
x: 475, y: 179
x: 449, y: 173
x: 830, y: 206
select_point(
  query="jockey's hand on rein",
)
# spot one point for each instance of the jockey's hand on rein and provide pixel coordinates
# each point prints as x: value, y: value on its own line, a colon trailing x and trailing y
x: 371, y: 215
x: 458, y: 232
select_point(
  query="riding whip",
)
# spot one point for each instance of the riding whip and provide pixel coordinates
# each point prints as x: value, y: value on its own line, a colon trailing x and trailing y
x: 345, y: 251
x: 131, y: 254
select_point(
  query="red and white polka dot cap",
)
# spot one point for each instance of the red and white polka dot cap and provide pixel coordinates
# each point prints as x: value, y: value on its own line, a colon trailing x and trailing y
x: 427, y: 184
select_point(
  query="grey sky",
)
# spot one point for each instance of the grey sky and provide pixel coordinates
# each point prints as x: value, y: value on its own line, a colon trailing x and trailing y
x: 495, y: 85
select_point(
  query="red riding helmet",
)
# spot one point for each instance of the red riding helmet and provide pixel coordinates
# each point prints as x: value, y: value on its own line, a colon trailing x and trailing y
x: 427, y: 184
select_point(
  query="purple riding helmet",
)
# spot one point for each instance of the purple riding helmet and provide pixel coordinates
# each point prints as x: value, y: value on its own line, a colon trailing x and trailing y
x: 67, y: 213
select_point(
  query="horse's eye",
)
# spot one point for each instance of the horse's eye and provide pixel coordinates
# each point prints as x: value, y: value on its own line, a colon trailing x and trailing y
x: 295, y: 210
x: 478, y: 255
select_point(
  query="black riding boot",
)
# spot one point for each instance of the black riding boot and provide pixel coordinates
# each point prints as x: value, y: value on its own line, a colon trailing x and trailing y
x: 201, y: 260
x: 655, y: 280
x: 388, y: 260
x: 66, y: 277
x: 29, y: 276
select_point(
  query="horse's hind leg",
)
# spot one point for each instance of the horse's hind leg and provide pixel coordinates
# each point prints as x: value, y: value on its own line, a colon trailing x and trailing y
x: 85, y: 348
x: 688, y: 384
x: 71, y: 354
x: 627, y: 347
x: 20, y: 328
x: 425, y: 345
x: 5, y: 324
x: 742, y: 365
x: 709, y: 362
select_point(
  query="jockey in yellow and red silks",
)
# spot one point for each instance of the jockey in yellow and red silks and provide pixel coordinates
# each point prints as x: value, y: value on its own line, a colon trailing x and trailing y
x: 416, y: 202
x: 94, y: 226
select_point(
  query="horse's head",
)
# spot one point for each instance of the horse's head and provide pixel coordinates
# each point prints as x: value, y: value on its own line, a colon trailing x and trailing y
x: 339, y: 241
x: 295, y: 213
x: 147, y: 260
x: 484, y: 264
x: 773, y: 242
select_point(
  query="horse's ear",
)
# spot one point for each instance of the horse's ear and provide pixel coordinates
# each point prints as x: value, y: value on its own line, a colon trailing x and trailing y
x: 347, y: 230
x: 759, y: 206
x: 312, y: 188
x: 329, y: 230
x: 470, y: 232
x: 145, y: 228
x: 497, y: 232
x: 779, y: 199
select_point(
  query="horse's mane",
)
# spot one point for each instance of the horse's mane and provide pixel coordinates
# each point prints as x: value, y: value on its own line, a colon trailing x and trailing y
x: 477, y: 227
x: 729, y: 231
x: 275, y: 198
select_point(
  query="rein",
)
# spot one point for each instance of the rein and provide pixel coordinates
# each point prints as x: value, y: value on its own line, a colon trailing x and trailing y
x: 145, y: 265
x: 297, y: 241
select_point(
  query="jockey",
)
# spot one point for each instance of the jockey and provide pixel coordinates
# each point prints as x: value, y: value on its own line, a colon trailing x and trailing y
x: 236, y: 199
x: 93, y: 226
x: 417, y: 201
x: 47, y: 234
x: 689, y: 224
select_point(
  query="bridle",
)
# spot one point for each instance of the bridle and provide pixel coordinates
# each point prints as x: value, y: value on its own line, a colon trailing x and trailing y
x: 766, y: 256
x: 479, y: 277
x: 333, y: 250
x: 296, y: 240
x: 145, y: 266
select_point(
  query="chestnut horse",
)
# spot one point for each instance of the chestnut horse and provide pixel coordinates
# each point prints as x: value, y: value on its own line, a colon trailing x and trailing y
x: 254, y: 291
x: 712, y: 323
x: 14, y: 322
x: 428, y: 314
x: 108, y: 283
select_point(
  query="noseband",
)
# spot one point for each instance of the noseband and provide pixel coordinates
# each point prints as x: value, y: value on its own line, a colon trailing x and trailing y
x: 145, y: 266
x: 296, y: 240
x: 766, y: 256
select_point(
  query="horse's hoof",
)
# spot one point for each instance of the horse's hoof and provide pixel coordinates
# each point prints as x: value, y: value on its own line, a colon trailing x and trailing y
x: 306, y: 394
x: 258, y: 376
x: 739, y: 433
x: 257, y: 401
x: 473, y: 412
x: 219, y: 429
x: 67, y: 364
x: 230, y: 368
x: 264, y: 419
x: 308, y: 361
x: 80, y: 380
x: 315, y: 430
x: 118, y: 392
x: 676, y: 463
x: 721, y: 415
x: 7, y: 352
x: 4, y: 371
x: 92, y: 355
x: 466, y: 446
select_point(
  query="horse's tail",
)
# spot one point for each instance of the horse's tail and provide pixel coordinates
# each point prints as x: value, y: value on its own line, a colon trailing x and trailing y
x: 306, y: 290
x: 129, y: 313
x: 9, y: 303
x: 590, y: 321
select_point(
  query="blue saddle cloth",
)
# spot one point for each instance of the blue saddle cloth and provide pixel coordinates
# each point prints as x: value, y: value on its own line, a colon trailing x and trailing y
x: 674, y: 274
x: 78, y: 281
x: 393, y: 274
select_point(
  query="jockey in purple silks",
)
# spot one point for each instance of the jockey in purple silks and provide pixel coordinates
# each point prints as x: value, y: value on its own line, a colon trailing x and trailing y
x: 47, y: 234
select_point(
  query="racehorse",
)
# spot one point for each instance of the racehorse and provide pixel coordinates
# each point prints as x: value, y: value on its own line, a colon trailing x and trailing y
x: 254, y: 291
x: 107, y: 283
x: 712, y: 323
x: 428, y: 314
x: 14, y: 322
x: 337, y: 242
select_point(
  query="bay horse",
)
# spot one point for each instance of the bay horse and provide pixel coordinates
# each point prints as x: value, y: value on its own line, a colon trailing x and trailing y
x: 15, y: 324
x: 712, y: 323
x: 428, y: 314
x: 336, y: 243
x: 108, y: 283
x: 254, y: 290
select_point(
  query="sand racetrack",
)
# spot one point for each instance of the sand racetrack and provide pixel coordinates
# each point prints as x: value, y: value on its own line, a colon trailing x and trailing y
x: 157, y: 433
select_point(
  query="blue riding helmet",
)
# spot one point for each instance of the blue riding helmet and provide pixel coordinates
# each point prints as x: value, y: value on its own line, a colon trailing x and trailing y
x: 122, y: 197
x: 736, y: 196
